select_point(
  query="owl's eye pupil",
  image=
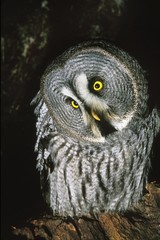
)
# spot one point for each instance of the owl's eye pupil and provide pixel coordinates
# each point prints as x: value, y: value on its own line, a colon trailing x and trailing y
x: 74, y: 104
x: 97, y: 86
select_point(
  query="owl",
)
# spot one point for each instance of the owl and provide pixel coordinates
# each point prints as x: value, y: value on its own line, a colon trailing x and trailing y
x: 95, y: 131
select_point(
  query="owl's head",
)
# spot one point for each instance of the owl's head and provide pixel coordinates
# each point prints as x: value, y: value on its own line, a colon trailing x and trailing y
x: 94, y: 89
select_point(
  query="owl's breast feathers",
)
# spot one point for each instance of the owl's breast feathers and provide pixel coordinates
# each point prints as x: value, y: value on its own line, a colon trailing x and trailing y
x: 95, y: 134
x: 78, y: 178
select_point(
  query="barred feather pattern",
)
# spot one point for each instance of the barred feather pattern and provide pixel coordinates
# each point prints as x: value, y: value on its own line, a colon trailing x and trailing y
x: 94, y: 145
x: 93, y: 178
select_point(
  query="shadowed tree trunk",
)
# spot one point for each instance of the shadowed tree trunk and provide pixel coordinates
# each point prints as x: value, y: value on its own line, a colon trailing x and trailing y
x: 34, y: 32
x: 140, y: 222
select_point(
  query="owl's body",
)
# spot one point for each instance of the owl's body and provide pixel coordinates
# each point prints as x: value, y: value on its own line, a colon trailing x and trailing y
x: 94, y: 131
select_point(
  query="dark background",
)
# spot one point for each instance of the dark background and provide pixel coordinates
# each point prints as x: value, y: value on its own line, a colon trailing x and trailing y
x: 33, y: 33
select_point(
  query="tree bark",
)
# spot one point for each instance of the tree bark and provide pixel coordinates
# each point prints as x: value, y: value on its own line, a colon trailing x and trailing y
x: 140, y: 222
x: 34, y: 32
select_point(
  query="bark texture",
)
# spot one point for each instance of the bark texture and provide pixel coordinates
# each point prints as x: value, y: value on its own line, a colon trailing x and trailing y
x: 139, y: 223
x: 33, y: 33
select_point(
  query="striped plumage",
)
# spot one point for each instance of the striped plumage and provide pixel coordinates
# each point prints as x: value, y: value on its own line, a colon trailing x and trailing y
x: 93, y: 146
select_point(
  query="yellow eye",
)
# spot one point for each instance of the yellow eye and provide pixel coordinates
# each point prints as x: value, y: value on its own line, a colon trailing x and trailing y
x: 74, y: 104
x: 97, y: 86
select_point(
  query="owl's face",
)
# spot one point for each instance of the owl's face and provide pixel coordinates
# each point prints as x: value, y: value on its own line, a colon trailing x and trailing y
x: 90, y: 93
x: 94, y: 131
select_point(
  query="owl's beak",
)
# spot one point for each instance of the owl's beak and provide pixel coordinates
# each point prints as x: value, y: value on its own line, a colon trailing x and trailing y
x: 102, y: 126
x: 95, y: 116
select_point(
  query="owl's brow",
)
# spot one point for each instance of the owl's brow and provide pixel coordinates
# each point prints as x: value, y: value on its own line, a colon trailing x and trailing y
x: 69, y: 93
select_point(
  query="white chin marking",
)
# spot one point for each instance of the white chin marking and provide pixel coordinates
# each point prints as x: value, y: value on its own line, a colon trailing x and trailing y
x: 121, y: 123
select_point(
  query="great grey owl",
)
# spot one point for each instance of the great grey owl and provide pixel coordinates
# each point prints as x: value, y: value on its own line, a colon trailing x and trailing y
x: 95, y: 130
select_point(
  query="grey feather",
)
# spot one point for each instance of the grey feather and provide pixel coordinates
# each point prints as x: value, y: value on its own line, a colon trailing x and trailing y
x: 94, y: 147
